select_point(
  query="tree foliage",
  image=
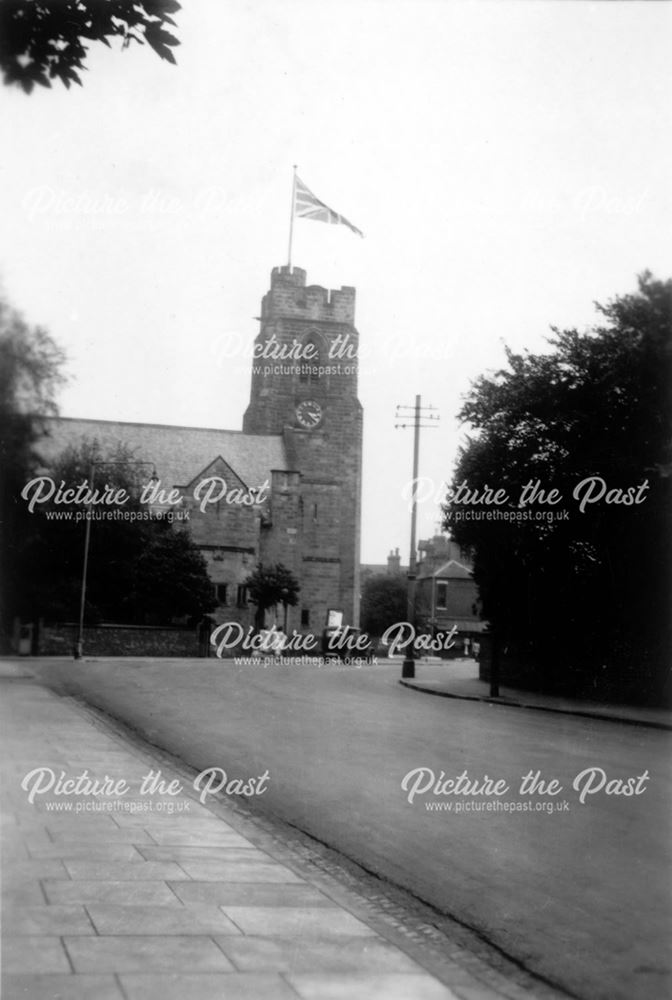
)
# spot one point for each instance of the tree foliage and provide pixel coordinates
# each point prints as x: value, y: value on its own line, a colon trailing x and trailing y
x: 48, y: 584
x: 384, y: 602
x: 587, y: 596
x: 31, y: 366
x: 141, y: 570
x: 170, y: 578
x: 31, y: 374
x: 42, y: 40
x: 271, y: 585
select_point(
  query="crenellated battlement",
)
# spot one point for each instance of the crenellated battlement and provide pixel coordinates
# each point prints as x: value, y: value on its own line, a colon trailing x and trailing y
x: 290, y: 296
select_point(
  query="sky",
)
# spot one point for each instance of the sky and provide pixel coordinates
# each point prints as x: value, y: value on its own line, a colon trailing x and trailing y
x: 508, y: 162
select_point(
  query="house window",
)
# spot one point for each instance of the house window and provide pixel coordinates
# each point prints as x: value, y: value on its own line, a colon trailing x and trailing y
x: 241, y: 599
x: 305, y: 616
x: 220, y: 593
x: 441, y: 596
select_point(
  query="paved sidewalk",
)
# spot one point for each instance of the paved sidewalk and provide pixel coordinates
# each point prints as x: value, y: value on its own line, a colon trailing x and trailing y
x: 170, y: 902
x: 459, y: 679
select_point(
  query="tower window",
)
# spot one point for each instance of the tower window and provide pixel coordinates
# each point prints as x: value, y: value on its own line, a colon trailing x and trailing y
x: 311, y: 361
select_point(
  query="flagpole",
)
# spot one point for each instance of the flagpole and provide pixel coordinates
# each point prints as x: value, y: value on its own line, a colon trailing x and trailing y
x: 291, y: 222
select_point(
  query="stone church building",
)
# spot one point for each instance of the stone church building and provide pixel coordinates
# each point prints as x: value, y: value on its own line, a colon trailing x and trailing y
x: 287, y: 488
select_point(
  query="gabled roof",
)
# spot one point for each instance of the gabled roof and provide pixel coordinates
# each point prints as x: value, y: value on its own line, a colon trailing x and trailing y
x: 218, y: 467
x: 451, y: 570
x: 177, y: 453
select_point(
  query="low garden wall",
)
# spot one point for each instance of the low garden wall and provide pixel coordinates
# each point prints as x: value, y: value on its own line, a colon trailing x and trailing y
x: 120, y: 640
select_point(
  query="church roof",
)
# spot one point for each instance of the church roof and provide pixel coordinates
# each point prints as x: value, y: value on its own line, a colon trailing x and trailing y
x: 177, y: 453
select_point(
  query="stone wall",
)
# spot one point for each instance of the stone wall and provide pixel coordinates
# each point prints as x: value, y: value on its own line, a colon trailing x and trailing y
x: 119, y: 640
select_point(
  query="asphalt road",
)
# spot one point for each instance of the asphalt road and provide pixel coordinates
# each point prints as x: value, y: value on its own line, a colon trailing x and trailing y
x: 581, y: 895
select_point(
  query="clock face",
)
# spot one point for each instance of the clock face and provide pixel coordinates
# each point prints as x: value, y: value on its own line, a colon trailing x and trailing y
x: 309, y: 414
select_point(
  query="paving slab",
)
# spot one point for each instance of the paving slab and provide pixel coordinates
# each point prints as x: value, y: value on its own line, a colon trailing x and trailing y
x: 297, y: 921
x: 238, y: 871
x: 127, y: 893
x: 84, y: 849
x: 29, y: 986
x: 35, y: 953
x: 191, y: 853
x: 50, y: 920
x: 20, y: 872
x: 115, y: 835
x: 250, y: 893
x: 202, y: 919
x: 29, y: 894
x: 208, y: 987
x: 328, y: 954
x: 124, y: 871
x: 188, y: 837
x: 369, y: 987
x: 146, y: 953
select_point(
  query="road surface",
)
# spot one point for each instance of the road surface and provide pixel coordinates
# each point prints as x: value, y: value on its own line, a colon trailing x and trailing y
x: 580, y: 895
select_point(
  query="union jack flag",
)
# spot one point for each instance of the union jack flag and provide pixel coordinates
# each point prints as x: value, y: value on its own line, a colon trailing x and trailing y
x: 307, y: 206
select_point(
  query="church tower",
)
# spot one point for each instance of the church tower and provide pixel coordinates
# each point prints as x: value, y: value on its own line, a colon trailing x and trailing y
x: 304, y: 386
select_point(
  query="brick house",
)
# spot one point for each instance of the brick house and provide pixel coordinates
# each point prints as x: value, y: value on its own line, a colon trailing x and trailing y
x: 446, y: 595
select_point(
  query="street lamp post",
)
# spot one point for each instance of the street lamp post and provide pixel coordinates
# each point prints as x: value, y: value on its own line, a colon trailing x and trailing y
x: 79, y: 645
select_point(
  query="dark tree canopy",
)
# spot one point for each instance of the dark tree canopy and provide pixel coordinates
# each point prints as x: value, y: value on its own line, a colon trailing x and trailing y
x: 141, y: 570
x: 271, y: 585
x: 587, y: 597
x: 170, y: 579
x: 384, y: 602
x: 31, y: 366
x: 30, y: 376
x: 42, y: 40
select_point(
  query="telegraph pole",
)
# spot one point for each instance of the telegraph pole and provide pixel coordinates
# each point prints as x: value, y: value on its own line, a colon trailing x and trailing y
x: 415, y: 415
